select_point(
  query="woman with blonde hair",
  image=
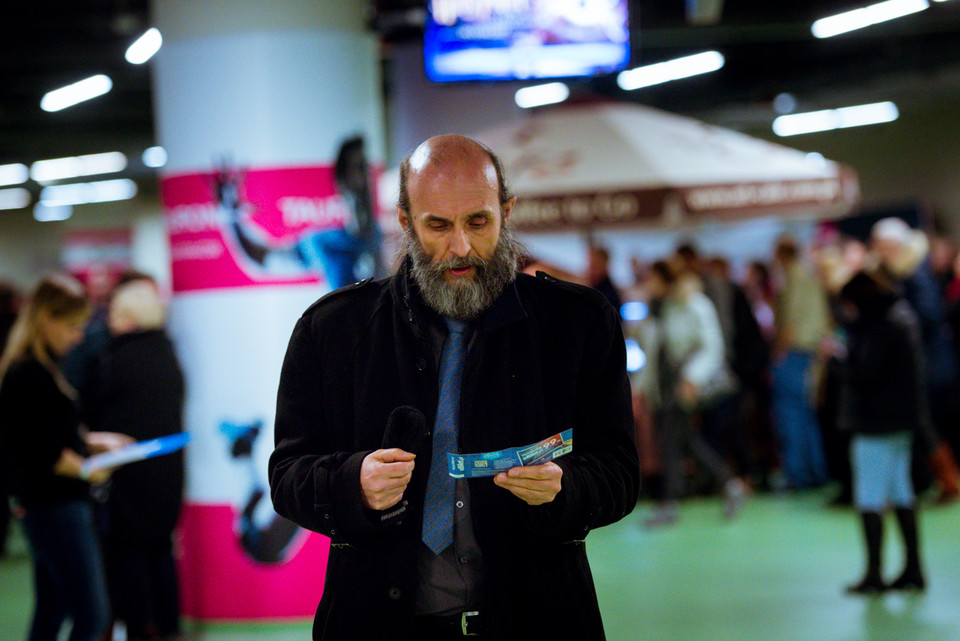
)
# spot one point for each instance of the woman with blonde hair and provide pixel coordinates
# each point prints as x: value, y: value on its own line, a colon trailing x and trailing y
x: 45, y: 450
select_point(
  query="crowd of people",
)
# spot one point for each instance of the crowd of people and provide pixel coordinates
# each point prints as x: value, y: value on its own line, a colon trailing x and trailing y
x: 831, y: 364
x: 80, y: 377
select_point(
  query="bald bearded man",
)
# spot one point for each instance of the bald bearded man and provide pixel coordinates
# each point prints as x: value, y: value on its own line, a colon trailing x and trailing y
x: 456, y: 352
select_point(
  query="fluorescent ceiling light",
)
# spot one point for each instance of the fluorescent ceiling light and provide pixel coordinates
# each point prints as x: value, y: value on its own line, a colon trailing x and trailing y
x: 49, y: 213
x: 44, y: 171
x: 866, y: 16
x: 540, y: 95
x: 144, y: 47
x: 155, y: 157
x: 805, y: 123
x: 671, y: 70
x: 14, y: 174
x: 76, y: 93
x: 14, y: 198
x: 82, y: 193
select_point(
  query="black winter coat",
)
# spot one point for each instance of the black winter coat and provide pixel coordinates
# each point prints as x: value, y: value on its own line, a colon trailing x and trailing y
x: 38, y: 421
x: 137, y: 389
x: 883, y: 378
x: 547, y: 356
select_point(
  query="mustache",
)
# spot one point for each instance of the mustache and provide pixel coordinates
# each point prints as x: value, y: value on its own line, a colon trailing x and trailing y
x: 460, y: 262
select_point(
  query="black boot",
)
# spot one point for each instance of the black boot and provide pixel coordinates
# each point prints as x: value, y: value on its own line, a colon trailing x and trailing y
x: 872, y: 582
x: 912, y: 576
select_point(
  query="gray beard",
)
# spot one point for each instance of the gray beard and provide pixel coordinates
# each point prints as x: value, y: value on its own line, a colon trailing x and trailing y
x: 463, y: 299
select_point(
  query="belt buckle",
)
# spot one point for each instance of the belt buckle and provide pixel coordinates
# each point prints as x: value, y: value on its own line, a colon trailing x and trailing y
x: 470, y: 620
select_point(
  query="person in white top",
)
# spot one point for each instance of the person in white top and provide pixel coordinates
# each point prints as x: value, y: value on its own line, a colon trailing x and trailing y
x: 690, y: 373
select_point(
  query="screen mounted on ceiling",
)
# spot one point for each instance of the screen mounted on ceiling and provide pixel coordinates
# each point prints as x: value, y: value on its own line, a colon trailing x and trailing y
x: 525, y: 39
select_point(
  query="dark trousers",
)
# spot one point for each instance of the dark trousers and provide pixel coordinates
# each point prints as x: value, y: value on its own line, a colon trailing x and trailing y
x: 724, y: 429
x: 68, y: 572
x: 677, y: 438
x: 143, y: 588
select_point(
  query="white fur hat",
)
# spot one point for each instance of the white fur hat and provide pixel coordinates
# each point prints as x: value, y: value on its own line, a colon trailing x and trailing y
x: 894, y: 229
x: 913, y: 244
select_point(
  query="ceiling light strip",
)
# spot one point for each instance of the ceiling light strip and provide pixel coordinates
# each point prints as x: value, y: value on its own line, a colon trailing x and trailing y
x: 144, y: 47
x: 16, y: 198
x: 49, y: 213
x: 13, y: 174
x: 829, y: 119
x: 670, y: 70
x: 76, y: 93
x: 866, y: 17
x: 540, y: 95
x: 44, y: 171
x: 93, y: 192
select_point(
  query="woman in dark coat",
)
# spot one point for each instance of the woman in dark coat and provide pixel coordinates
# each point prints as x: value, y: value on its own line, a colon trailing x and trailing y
x: 884, y: 405
x: 138, y: 390
x: 45, y: 449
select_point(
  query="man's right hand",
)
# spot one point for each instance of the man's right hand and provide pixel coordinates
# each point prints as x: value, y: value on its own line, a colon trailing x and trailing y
x: 384, y: 476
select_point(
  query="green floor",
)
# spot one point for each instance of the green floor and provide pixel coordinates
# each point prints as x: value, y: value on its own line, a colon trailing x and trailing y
x: 775, y: 574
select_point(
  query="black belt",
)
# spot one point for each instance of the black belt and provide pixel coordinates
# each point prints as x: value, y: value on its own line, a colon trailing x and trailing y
x: 466, y: 624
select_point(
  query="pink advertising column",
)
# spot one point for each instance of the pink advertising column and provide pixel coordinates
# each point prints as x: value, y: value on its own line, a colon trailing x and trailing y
x: 253, y: 101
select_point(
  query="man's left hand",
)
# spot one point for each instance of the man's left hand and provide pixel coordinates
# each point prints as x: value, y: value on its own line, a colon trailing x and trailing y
x: 533, y: 484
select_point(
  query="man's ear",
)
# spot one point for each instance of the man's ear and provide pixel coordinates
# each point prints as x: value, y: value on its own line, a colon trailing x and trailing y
x: 508, y: 207
x: 402, y: 217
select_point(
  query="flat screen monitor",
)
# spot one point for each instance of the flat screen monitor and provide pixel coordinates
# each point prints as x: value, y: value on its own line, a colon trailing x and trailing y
x: 525, y: 39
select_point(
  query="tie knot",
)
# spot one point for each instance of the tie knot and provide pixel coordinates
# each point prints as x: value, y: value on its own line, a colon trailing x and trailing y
x: 455, y: 326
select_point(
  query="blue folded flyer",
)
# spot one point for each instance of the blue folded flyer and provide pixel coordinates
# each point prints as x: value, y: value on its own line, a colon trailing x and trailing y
x: 469, y: 466
x: 137, y: 452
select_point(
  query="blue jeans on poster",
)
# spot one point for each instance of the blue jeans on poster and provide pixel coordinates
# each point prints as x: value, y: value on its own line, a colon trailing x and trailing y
x: 68, y: 573
x: 801, y: 445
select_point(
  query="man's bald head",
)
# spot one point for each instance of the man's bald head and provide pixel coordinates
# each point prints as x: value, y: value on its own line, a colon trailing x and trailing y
x: 454, y: 209
x: 449, y: 157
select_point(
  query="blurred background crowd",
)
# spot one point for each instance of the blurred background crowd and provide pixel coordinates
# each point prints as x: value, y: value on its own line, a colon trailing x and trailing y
x: 833, y: 365
x: 752, y: 357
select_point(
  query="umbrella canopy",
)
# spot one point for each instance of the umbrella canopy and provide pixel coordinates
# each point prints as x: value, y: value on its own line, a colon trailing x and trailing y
x: 620, y: 164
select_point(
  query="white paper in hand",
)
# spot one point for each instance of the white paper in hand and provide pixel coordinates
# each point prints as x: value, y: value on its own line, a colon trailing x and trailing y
x: 137, y: 452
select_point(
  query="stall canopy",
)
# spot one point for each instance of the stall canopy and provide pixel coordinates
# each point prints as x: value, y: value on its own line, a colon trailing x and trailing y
x: 617, y: 164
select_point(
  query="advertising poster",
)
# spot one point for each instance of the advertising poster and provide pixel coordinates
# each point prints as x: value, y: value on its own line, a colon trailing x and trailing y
x: 250, y: 251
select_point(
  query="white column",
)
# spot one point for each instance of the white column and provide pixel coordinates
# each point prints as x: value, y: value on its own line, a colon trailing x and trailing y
x: 269, y: 90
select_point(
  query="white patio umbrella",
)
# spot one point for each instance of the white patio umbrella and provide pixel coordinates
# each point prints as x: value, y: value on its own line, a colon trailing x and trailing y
x: 620, y: 164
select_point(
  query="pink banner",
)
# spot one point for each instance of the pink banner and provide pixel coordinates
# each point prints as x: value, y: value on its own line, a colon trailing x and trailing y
x: 240, y: 228
x: 220, y: 580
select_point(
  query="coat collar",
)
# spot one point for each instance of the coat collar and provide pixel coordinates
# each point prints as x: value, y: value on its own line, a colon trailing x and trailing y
x: 506, y: 309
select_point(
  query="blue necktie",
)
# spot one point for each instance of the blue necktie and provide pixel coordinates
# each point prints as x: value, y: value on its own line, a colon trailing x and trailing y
x: 438, y: 505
